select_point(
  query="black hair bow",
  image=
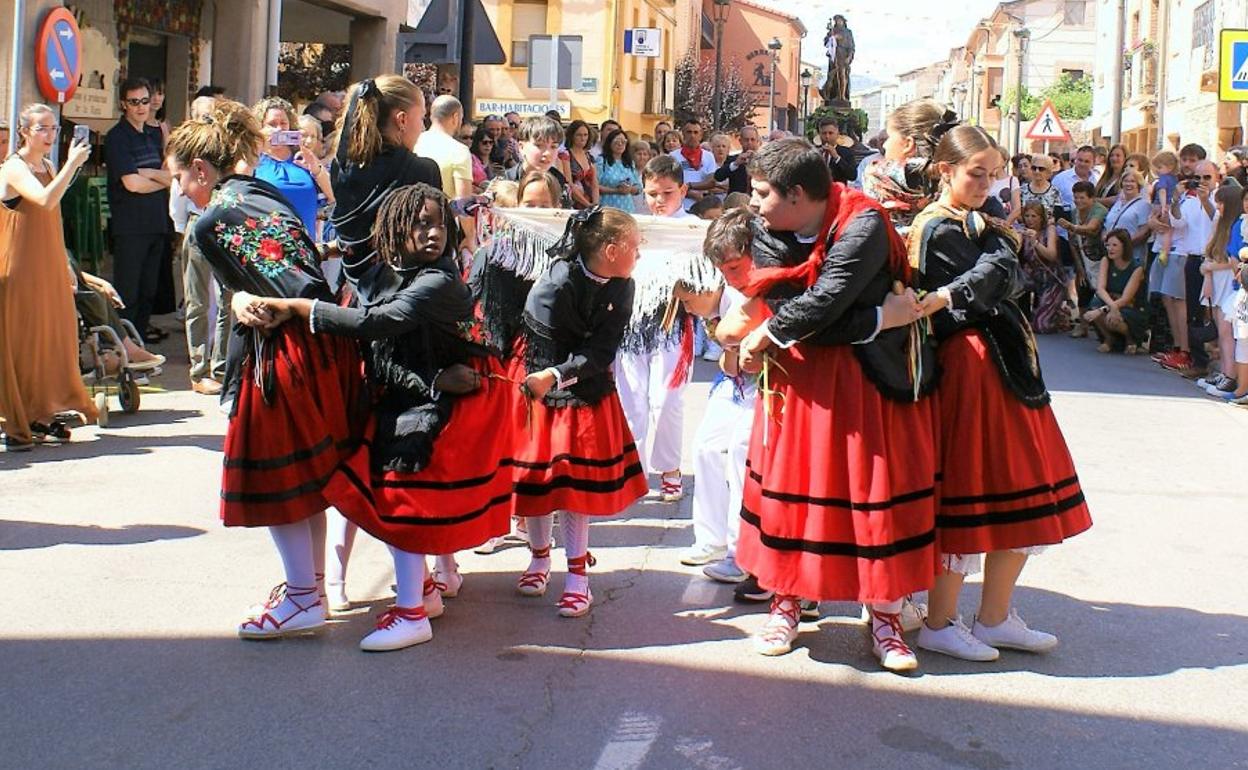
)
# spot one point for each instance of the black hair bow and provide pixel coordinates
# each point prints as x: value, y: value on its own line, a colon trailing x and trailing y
x: 566, y: 247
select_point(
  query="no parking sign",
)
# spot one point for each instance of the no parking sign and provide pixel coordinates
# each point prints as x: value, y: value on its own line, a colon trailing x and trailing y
x: 58, y: 56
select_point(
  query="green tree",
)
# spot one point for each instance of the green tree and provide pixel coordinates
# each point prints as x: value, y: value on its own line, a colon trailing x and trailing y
x: 1071, y: 97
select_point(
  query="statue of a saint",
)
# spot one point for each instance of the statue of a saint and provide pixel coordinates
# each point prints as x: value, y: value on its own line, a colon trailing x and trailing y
x: 839, y: 45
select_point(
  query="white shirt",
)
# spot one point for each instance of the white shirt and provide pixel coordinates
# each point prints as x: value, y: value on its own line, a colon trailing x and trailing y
x: 1191, y: 230
x: 695, y: 175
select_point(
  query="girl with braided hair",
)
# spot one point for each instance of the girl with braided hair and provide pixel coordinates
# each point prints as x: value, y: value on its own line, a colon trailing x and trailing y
x: 435, y: 476
x: 296, y: 402
x: 578, y: 455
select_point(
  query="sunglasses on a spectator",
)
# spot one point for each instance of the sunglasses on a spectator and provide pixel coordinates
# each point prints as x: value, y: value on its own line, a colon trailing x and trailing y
x: 139, y: 102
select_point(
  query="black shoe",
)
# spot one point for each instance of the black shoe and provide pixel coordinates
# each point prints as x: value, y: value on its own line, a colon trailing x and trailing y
x: 153, y: 335
x: 809, y: 609
x: 750, y: 591
x: 14, y: 445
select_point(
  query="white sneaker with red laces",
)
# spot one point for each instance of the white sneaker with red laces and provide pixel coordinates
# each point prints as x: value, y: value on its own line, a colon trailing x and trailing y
x: 574, y: 604
x: 431, y: 599
x: 448, y: 583
x: 398, y: 627
x: 670, y: 489
x: 290, y: 610
x: 889, y: 647
x: 777, y: 635
x: 537, y: 577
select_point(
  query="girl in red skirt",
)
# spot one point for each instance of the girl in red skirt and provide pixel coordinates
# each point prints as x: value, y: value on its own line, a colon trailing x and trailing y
x: 1009, y: 484
x: 297, y: 405
x: 435, y: 475
x: 839, y: 499
x: 576, y: 454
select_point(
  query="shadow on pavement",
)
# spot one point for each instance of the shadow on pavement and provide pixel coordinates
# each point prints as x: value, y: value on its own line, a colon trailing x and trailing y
x: 25, y: 535
x: 319, y: 702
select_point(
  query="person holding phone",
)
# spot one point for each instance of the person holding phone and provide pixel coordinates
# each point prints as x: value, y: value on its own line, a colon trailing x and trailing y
x: 284, y: 163
x: 39, y: 376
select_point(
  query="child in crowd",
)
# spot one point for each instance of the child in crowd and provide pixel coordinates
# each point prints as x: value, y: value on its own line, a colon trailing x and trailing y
x: 723, y: 437
x: 1165, y: 192
x: 539, y: 151
x: 709, y: 208
x: 654, y: 364
x: 579, y: 457
x: 1219, y: 266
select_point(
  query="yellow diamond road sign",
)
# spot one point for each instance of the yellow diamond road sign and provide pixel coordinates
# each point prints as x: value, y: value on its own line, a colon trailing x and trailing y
x: 1233, y: 66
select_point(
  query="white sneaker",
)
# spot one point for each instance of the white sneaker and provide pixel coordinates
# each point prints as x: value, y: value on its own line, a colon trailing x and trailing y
x: 490, y: 546
x: 336, y: 597
x: 431, y: 599
x: 777, y: 635
x: 698, y: 555
x: 887, y: 644
x: 1013, y: 634
x: 912, y: 615
x: 289, y: 611
x: 956, y: 641
x: 725, y: 571
x: 398, y: 628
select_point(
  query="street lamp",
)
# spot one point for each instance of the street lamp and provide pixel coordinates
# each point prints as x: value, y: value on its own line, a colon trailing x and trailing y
x: 719, y: 11
x: 1022, y: 34
x: 806, y: 78
x: 774, y: 46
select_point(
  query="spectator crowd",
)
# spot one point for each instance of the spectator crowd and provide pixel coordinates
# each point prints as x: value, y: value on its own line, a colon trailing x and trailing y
x: 1136, y: 253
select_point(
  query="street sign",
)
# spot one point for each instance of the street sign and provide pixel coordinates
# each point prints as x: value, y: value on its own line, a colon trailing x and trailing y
x: 1233, y: 66
x: 527, y: 108
x: 58, y: 55
x: 555, y: 61
x: 1048, y: 126
x: 643, y: 41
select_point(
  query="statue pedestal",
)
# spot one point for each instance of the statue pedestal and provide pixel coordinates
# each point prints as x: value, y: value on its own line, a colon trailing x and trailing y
x: 836, y: 104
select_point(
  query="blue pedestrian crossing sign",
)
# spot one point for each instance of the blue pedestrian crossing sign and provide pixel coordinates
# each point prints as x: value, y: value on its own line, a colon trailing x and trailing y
x: 1233, y: 66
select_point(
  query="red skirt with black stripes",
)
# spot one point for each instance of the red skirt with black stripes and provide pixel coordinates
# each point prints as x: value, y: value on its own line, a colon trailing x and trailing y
x: 840, y: 499
x: 281, y: 455
x: 461, y: 498
x: 581, y: 459
x: 1008, y: 478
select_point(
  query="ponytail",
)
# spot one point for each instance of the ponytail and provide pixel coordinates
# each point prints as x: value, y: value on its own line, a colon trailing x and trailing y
x: 370, y: 103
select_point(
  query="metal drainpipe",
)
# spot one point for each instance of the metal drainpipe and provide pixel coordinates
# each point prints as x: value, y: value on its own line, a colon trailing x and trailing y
x: 1163, y: 52
x: 15, y: 73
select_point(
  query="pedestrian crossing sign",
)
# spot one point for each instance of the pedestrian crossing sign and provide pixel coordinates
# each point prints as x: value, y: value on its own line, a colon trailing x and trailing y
x: 1233, y: 66
x: 1048, y: 126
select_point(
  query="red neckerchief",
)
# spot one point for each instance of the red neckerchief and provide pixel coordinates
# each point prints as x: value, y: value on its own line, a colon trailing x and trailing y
x: 843, y: 205
x: 694, y: 156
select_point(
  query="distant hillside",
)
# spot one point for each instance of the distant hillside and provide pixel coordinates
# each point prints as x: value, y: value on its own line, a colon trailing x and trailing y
x: 862, y: 82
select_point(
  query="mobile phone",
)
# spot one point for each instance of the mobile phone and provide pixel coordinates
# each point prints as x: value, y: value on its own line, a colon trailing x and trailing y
x: 1192, y: 184
x: 286, y: 138
x: 82, y: 134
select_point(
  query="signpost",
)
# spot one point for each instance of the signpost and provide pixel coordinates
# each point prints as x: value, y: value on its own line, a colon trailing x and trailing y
x: 1048, y: 127
x: 1233, y: 66
x: 555, y: 63
x: 58, y: 56
x: 643, y: 41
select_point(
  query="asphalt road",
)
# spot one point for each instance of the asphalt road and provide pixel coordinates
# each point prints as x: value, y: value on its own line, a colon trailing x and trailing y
x: 119, y: 593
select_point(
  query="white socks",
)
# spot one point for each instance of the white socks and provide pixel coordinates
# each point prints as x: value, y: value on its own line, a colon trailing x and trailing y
x: 294, y: 545
x: 540, y: 528
x: 409, y: 575
x: 445, y: 564
x: 337, y: 545
x: 575, y: 547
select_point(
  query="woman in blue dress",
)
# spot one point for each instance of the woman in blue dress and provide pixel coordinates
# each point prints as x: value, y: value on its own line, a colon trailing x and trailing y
x: 618, y: 178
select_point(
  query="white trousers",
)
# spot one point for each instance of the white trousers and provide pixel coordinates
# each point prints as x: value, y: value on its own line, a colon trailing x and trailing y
x: 654, y: 412
x: 719, y: 451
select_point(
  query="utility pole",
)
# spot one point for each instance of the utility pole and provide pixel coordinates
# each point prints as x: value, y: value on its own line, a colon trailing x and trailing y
x: 721, y: 9
x: 1021, y: 35
x: 467, y: 53
x: 1120, y: 33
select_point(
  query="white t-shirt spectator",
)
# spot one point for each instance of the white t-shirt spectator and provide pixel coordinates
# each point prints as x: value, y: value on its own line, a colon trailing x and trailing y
x: 1191, y: 230
x: 695, y: 175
